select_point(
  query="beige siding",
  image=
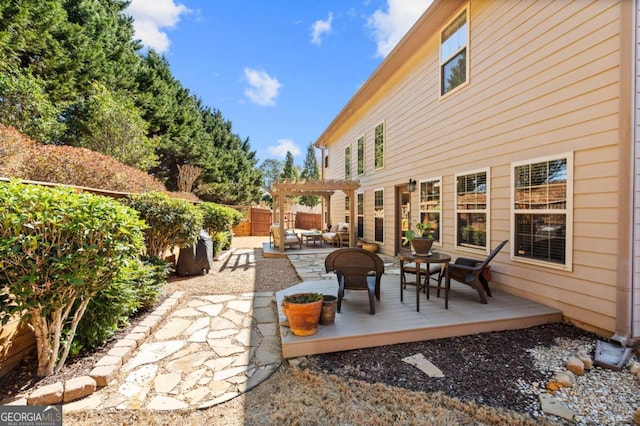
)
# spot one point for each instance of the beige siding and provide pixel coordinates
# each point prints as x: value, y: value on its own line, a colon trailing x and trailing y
x: 636, y: 230
x: 544, y: 80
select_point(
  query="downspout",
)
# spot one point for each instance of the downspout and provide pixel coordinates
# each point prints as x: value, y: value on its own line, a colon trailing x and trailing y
x: 626, y: 178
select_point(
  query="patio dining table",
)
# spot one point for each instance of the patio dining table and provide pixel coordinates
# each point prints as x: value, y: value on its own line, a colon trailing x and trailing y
x: 418, y: 270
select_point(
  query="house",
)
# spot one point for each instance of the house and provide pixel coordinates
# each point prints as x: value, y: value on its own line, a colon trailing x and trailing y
x: 517, y: 121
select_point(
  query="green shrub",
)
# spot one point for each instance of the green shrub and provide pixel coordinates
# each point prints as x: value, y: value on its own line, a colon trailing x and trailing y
x: 136, y: 289
x: 58, y: 249
x: 218, y: 221
x: 171, y: 222
x: 217, y: 218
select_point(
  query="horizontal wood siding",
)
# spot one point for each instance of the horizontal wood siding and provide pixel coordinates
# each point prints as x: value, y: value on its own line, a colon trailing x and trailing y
x: 636, y: 207
x: 16, y: 341
x: 544, y: 79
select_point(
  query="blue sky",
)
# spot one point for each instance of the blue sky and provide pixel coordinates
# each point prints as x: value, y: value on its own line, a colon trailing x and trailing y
x: 279, y: 70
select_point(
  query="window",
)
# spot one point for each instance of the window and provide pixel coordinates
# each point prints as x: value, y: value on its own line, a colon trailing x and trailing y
x: 378, y: 215
x: 360, y: 156
x: 430, y: 207
x: 326, y: 157
x: 347, y: 163
x: 379, y: 146
x: 347, y: 209
x: 360, y: 213
x: 542, y: 206
x: 454, y: 41
x: 472, y: 210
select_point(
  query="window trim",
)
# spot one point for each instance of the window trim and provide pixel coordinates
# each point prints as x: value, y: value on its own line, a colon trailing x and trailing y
x: 487, y: 211
x: 568, y: 211
x: 384, y: 137
x: 347, y: 209
x: 358, y: 153
x: 360, y: 215
x: 441, y: 63
x: 420, y: 211
x: 374, y: 215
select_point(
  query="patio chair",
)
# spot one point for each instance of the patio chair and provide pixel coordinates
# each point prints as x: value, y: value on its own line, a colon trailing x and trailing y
x: 337, y: 235
x: 289, y: 239
x: 356, y: 269
x: 474, y: 272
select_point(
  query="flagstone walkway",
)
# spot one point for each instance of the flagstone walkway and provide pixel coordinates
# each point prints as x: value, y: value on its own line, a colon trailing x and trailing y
x: 210, y: 350
x: 197, y: 352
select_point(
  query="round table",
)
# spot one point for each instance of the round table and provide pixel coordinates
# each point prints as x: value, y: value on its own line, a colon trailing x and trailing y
x: 418, y: 260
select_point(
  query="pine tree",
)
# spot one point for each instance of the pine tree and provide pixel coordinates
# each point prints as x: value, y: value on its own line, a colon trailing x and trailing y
x: 311, y: 171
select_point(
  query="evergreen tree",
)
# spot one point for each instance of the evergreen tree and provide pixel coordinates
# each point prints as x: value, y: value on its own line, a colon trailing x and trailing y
x: 310, y: 171
x: 110, y: 123
x: 271, y: 170
x: 25, y: 105
x: 289, y: 170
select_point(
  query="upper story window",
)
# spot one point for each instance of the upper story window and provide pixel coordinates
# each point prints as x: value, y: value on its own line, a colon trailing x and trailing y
x: 542, y: 206
x: 378, y: 153
x: 347, y: 163
x: 431, y: 207
x: 454, y: 58
x: 360, y: 156
x: 472, y: 210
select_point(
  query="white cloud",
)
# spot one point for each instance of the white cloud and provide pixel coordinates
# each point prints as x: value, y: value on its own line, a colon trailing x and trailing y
x: 151, y: 17
x: 262, y: 88
x: 319, y: 28
x: 283, y: 146
x: 389, y: 27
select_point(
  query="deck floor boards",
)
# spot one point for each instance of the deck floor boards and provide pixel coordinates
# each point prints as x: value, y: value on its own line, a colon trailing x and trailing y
x: 395, y: 322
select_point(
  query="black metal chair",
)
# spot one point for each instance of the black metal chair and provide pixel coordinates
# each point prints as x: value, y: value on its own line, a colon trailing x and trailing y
x: 356, y: 269
x: 472, y: 272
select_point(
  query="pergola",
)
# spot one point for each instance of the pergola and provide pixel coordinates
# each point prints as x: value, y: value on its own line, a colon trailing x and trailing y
x: 319, y: 188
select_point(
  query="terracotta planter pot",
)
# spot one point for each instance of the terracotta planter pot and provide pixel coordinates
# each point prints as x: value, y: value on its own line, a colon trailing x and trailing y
x: 303, y: 318
x: 422, y: 246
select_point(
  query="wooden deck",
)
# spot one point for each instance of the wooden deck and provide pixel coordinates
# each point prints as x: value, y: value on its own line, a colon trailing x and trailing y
x: 396, y: 322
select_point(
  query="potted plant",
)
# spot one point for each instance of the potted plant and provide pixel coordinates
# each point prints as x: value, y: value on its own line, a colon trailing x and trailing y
x: 303, y: 312
x: 421, y: 237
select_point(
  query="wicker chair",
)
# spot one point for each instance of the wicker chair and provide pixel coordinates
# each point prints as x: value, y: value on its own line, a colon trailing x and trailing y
x: 356, y: 269
x: 474, y: 272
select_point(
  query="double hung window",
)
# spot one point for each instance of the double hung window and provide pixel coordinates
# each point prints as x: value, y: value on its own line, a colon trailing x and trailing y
x: 454, y: 58
x: 542, y: 206
x: 472, y: 210
x: 378, y: 215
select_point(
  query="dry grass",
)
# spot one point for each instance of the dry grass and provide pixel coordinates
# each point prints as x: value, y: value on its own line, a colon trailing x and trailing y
x: 302, y: 397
